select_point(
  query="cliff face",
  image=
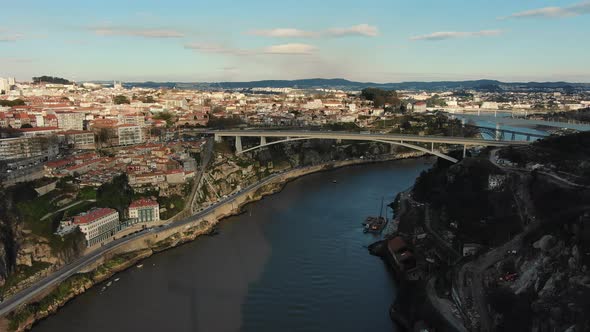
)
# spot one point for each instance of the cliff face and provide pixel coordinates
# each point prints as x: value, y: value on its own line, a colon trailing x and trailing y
x: 524, y: 235
x: 229, y: 173
x: 24, y: 254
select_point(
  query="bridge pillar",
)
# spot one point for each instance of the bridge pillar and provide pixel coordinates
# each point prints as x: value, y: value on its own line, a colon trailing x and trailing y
x: 464, y: 151
x: 338, y: 141
x: 498, y: 132
x: 514, y: 136
x: 262, y: 140
x: 495, y: 114
x: 528, y: 137
x: 238, y: 144
x: 463, y: 122
x: 218, y: 138
x: 478, y: 112
x: 432, y: 146
x: 392, y: 148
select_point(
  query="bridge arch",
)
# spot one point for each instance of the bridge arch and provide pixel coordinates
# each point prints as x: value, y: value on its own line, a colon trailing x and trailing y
x: 399, y: 143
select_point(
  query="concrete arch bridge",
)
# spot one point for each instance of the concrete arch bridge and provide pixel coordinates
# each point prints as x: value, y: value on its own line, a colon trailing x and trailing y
x: 409, y: 141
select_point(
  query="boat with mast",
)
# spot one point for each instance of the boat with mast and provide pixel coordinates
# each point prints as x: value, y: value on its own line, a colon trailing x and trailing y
x: 375, y: 224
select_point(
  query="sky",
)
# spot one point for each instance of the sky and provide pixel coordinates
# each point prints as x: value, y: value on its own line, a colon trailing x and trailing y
x: 238, y: 40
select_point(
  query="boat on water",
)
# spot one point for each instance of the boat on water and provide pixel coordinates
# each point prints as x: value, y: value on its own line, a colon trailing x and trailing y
x: 117, y: 279
x: 334, y: 181
x: 375, y: 224
x: 109, y: 283
x: 139, y: 266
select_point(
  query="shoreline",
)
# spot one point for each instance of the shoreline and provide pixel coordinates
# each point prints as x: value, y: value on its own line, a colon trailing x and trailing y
x: 129, y: 254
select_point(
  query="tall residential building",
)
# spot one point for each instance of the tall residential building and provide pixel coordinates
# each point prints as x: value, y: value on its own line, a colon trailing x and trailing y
x: 144, y: 210
x: 98, y: 224
x: 27, y: 147
x: 11, y: 81
x: 79, y: 139
x: 4, y: 86
x: 129, y: 134
x: 70, y: 120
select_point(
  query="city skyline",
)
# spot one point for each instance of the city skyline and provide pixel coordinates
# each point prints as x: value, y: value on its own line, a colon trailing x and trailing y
x: 234, y: 41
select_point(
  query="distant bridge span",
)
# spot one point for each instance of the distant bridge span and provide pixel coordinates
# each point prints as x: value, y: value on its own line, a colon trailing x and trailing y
x: 393, y: 139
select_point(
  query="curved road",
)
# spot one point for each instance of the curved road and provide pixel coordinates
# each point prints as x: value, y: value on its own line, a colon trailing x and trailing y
x: 74, y: 267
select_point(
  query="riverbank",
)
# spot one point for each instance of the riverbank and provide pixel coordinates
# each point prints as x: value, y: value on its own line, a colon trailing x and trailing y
x: 130, y: 253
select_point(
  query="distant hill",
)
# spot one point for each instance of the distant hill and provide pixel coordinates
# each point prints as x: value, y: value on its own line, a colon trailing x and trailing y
x: 339, y: 83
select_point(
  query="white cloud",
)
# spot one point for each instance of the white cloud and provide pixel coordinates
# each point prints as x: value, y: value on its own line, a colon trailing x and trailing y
x: 283, y: 33
x: 216, y: 48
x: 291, y: 49
x: 8, y: 36
x: 442, y: 35
x: 580, y: 8
x: 137, y: 32
x: 283, y: 49
x: 356, y: 30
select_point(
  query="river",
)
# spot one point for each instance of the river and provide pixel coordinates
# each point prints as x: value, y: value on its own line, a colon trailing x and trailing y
x: 294, y: 261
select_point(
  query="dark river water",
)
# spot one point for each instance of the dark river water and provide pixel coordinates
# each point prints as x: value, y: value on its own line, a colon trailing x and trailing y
x: 295, y: 261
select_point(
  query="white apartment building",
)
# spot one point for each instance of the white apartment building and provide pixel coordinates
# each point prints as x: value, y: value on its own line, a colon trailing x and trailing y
x: 129, y: 134
x: 4, y: 86
x: 79, y: 139
x: 27, y: 147
x: 98, y: 224
x: 489, y: 105
x: 70, y: 120
x: 144, y: 210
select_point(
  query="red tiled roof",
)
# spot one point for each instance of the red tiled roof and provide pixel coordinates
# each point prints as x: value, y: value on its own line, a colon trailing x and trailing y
x: 396, y: 244
x: 143, y: 202
x: 58, y: 163
x: 93, y: 215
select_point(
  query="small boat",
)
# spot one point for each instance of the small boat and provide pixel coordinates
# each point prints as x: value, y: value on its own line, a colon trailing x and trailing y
x: 334, y: 181
x: 109, y: 284
x: 103, y: 289
x: 139, y: 266
x: 117, y: 279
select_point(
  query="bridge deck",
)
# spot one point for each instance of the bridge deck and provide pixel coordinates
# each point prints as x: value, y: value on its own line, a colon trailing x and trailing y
x: 364, y: 137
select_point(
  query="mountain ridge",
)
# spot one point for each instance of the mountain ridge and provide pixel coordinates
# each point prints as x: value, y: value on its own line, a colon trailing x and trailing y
x: 340, y: 83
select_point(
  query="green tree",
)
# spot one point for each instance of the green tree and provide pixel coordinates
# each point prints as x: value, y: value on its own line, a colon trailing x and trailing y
x: 116, y: 194
x: 165, y: 116
x: 50, y: 79
x: 120, y: 99
x: 381, y: 97
x: 10, y: 103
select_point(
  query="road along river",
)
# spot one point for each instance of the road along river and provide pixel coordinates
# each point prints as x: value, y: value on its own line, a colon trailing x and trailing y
x: 294, y: 261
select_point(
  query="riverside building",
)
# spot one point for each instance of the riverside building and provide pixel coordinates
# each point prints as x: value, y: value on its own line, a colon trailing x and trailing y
x: 98, y: 224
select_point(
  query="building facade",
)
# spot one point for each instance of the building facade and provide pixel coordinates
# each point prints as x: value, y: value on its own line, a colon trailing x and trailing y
x: 98, y: 225
x: 70, y: 120
x: 79, y: 139
x: 27, y: 147
x: 144, y: 210
x: 129, y: 134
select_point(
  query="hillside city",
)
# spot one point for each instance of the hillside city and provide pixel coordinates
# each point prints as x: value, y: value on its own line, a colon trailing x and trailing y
x: 94, y: 132
x: 86, y: 167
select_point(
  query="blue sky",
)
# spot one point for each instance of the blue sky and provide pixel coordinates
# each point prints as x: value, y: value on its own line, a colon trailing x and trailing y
x: 369, y: 40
